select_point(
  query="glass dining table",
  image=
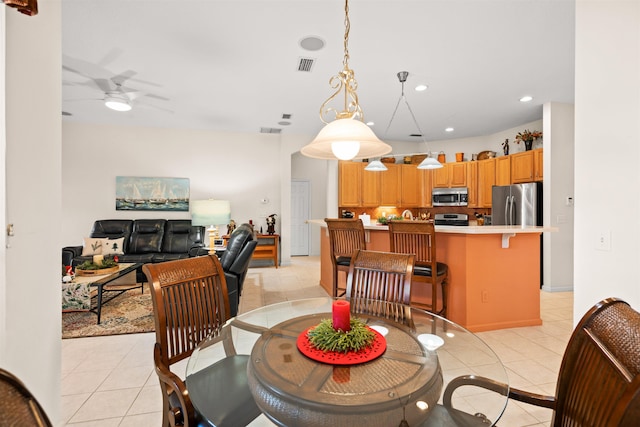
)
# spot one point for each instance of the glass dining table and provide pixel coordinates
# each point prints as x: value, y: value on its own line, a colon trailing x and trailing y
x: 405, y: 383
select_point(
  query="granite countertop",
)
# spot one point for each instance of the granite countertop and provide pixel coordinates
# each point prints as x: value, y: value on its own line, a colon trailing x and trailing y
x: 469, y: 229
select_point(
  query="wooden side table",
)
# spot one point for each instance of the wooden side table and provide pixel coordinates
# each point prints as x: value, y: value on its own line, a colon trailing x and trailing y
x: 267, y: 247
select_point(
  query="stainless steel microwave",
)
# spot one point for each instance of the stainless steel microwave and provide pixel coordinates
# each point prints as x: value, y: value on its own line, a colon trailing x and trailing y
x: 450, y: 196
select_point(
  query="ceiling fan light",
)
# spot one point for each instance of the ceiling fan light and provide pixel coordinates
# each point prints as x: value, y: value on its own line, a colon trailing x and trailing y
x: 117, y: 104
x: 338, y: 139
x: 429, y: 163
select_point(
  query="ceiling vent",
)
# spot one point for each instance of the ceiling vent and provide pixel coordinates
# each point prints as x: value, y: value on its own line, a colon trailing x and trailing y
x: 270, y: 130
x: 417, y: 135
x: 306, y: 64
x: 286, y: 116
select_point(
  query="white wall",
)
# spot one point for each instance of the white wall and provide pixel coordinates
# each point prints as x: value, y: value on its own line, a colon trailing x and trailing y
x: 30, y: 298
x: 557, y: 186
x: 607, y: 152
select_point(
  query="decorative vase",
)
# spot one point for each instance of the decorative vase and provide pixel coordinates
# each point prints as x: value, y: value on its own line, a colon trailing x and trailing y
x: 527, y: 145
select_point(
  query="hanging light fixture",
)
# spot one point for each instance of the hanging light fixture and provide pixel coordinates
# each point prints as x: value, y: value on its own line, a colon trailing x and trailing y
x: 375, y: 166
x: 346, y: 137
x: 428, y: 162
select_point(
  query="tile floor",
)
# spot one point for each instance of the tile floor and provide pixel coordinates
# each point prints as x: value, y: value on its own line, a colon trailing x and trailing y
x: 110, y: 381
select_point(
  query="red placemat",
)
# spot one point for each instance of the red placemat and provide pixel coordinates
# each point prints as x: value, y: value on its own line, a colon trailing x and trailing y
x: 366, y: 354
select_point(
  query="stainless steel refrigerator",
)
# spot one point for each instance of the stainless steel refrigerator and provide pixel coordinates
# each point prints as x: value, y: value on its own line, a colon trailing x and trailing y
x: 517, y: 204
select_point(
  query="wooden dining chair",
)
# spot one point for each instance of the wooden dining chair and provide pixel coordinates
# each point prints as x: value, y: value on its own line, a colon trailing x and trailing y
x: 190, y: 305
x: 345, y: 237
x: 379, y: 284
x: 419, y: 238
x: 18, y: 407
x: 599, y: 379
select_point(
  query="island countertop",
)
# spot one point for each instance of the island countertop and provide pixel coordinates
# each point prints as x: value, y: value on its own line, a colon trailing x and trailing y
x: 494, y: 272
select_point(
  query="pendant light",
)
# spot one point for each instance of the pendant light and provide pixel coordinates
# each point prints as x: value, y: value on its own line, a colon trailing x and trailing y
x: 428, y: 162
x: 346, y: 137
x: 375, y: 166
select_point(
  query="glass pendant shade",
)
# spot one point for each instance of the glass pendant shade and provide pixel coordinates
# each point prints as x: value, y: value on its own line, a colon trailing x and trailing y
x: 345, y: 139
x: 375, y: 166
x: 429, y: 163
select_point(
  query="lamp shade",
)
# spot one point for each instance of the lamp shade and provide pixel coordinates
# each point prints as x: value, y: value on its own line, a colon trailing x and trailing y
x: 429, y: 163
x: 210, y: 212
x: 340, y: 138
x: 117, y: 103
x: 375, y: 166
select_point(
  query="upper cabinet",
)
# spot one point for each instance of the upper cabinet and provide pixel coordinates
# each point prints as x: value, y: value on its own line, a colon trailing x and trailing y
x: 370, y: 188
x: 472, y: 183
x: 425, y: 185
x: 409, y: 186
x: 486, y: 181
x: 349, y: 185
x: 390, y: 185
x: 450, y: 175
x: 503, y: 170
x: 523, y: 166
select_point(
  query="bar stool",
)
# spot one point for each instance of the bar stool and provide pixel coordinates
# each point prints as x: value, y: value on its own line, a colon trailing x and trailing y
x: 346, y: 235
x: 419, y: 238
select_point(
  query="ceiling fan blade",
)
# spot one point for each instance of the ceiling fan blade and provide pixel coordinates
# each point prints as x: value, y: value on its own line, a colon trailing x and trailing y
x: 103, y: 84
x: 161, y: 98
x: 111, y: 56
x: 119, y: 79
x: 145, y: 105
x: 83, y: 99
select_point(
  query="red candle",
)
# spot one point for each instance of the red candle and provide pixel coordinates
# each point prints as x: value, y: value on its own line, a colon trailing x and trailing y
x: 341, y: 316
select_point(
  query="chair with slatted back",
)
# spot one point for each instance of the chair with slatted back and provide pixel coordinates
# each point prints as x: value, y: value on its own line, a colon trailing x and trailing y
x: 599, y: 379
x: 345, y: 237
x: 379, y: 284
x: 419, y: 238
x: 190, y: 305
x: 18, y: 407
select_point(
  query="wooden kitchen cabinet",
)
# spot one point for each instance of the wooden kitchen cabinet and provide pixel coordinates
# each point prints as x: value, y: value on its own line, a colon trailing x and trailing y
x: 370, y: 190
x: 349, y: 184
x: 390, y: 185
x: 409, y: 184
x: 472, y: 183
x: 503, y: 170
x: 425, y: 185
x: 441, y: 176
x: 457, y: 174
x: 538, y: 164
x: 486, y: 181
x: 522, y: 167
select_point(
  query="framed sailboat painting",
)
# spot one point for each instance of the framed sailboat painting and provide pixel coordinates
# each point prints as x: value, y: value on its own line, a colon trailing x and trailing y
x: 135, y: 193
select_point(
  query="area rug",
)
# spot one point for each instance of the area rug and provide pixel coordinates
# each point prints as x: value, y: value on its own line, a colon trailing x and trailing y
x: 129, y: 313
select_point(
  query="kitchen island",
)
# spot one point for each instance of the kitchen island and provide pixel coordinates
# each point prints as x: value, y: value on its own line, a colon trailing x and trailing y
x: 494, y: 272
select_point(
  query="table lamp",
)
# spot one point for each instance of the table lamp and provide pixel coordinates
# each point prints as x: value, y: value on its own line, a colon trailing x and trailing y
x: 211, y: 213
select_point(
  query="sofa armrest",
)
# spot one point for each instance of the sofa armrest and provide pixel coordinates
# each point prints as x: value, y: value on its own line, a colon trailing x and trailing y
x: 69, y: 253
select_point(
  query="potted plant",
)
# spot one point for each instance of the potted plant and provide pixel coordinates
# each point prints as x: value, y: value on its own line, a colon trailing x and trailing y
x: 528, y: 137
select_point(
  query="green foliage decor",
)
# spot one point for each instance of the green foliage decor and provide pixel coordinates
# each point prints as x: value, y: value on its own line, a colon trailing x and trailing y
x: 90, y: 265
x: 325, y: 338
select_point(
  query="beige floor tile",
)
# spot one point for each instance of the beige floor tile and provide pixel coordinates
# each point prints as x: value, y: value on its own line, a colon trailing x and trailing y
x: 70, y: 404
x: 136, y: 376
x: 109, y: 422
x: 153, y: 419
x: 148, y: 401
x: 106, y: 404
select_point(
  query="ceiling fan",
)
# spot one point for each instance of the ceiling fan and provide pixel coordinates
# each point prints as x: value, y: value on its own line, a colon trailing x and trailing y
x: 116, y: 95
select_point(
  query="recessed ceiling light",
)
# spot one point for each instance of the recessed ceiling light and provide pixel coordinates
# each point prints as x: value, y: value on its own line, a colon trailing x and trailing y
x: 370, y: 123
x: 284, y: 123
x: 421, y: 88
x: 526, y: 98
x: 449, y: 130
x: 312, y: 43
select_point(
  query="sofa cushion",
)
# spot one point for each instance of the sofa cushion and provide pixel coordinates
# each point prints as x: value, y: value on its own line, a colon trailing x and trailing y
x: 92, y: 246
x: 113, y: 229
x: 113, y: 246
x: 146, y: 236
x: 180, y: 236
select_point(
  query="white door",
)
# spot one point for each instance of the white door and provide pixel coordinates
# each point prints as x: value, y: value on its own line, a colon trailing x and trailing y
x: 299, y: 216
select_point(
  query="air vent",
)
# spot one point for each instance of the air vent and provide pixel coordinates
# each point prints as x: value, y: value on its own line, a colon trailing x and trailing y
x: 417, y: 135
x: 286, y: 116
x: 66, y: 113
x: 270, y: 130
x: 305, y: 64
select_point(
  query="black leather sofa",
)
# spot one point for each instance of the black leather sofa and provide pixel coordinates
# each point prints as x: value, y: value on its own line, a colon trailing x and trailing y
x: 158, y: 240
x: 145, y: 241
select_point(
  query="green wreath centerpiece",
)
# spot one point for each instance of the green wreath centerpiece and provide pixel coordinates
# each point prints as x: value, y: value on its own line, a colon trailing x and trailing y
x: 324, y: 337
x: 106, y: 263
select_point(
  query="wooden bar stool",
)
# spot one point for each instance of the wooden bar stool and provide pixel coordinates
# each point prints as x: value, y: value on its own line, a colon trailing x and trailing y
x: 419, y: 238
x: 345, y: 237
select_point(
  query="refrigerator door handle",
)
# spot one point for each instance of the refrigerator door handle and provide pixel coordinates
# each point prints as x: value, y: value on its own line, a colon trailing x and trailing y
x: 511, y: 219
x: 506, y: 210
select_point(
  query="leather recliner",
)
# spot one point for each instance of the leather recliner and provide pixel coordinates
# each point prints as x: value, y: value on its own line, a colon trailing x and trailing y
x: 235, y: 262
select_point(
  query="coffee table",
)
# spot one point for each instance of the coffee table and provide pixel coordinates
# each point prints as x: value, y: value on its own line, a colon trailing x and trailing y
x: 105, y: 292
